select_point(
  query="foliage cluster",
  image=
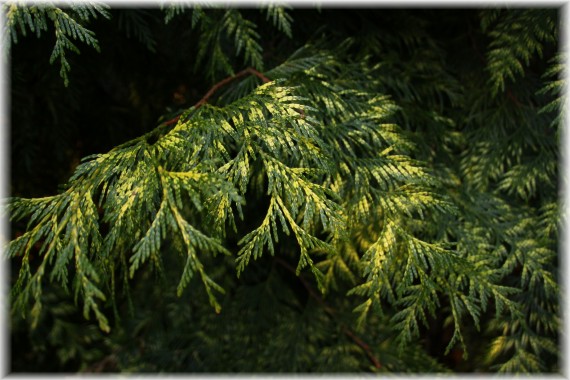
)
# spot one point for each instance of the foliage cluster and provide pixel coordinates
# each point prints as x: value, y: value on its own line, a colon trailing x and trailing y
x: 363, y: 190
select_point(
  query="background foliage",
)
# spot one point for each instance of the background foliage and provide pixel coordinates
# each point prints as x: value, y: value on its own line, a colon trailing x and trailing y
x: 373, y: 190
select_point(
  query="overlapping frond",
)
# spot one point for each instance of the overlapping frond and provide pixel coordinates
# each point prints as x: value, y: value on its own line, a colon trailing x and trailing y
x: 517, y: 36
x: 67, y: 25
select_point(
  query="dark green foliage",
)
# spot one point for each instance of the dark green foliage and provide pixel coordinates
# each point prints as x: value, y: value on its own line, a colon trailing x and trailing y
x: 67, y: 26
x: 135, y: 23
x: 340, y: 192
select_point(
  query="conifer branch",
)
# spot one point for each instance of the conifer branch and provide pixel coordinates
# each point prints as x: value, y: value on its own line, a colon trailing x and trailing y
x: 349, y: 165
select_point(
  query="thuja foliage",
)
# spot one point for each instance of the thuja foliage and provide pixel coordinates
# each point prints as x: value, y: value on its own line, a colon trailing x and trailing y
x: 356, y: 190
x: 67, y: 26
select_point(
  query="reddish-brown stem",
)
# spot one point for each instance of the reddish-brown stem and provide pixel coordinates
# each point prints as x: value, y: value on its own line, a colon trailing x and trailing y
x: 217, y: 86
x: 172, y: 121
x: 511, y: 96
x: 364, y: 346
x: 474, y: 44
x: 329, y: 310
x: 307, y: 286
x: 227, y: 80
